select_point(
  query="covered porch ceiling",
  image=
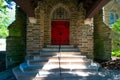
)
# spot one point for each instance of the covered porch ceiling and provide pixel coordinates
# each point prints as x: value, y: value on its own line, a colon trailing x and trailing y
x: 91, y: 6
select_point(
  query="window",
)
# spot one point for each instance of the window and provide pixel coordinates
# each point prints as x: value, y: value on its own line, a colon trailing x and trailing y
x: 60, y: 14
x: 113, y: 16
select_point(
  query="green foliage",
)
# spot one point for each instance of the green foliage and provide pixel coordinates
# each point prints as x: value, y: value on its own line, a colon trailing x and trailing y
x: 116, y: 39
x: 116, y: 26
x: 5, y: 19
x: 116, y: 53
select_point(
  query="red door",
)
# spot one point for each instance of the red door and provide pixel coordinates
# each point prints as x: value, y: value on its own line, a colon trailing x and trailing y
x: 60, y: 33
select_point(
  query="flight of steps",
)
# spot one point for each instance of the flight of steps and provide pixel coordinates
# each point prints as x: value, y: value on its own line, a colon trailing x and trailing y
x: 50, y: 64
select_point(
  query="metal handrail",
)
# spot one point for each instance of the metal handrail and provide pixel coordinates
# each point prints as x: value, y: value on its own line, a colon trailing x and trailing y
x: 59, y: 57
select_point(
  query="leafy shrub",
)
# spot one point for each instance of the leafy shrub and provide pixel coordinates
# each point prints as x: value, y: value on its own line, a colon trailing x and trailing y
x: 116, y: 39
x: 5, y: 17
x: 116, y: 53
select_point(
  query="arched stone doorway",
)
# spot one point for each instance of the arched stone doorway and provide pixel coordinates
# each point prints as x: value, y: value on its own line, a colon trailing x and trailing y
x: 60, y: 33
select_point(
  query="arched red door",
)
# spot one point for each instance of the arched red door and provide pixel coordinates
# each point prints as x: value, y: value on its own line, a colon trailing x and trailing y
x: 60, y: 32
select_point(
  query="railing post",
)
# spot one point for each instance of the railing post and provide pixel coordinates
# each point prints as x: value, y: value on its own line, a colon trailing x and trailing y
x: 60, y: 53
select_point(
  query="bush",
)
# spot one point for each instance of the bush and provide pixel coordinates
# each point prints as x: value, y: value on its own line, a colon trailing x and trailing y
x: 116, y: 53
x: 116, y: 39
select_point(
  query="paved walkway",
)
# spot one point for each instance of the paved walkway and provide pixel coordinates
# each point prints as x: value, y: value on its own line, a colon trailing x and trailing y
x: 7, y: 75
x: 100, y: 75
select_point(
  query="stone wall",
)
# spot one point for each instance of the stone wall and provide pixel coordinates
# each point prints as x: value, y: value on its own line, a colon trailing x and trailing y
x: 46, y: 8
x: 85, y: 39
x: 34, y: 41
x: 39, y: 34
x: 16, y: 41
x: 102, y: 39
x: 112, y: 5
x: 80, y: 35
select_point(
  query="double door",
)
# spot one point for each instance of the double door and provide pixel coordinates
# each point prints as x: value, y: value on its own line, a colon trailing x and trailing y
x: 60, y: 33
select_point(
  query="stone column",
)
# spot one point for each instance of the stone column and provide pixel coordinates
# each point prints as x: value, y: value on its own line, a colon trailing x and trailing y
x: 102, y: 40
x: 16, y: 41
x: 35, y: 38
x: 85, y: 40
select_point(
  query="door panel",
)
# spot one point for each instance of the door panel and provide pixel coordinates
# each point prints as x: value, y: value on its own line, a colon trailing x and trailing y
x: 60, y: 33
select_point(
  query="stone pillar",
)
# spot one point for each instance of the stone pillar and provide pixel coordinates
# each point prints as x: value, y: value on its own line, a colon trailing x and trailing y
x: 85, y: 40
x: 35, y: 38
x: 102, y: 40
x: 16, y: 41
x: 35, y: 33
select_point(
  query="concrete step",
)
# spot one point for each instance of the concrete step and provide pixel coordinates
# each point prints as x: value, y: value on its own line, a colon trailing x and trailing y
x: 63, y: 77
x: 61, y: 50
x: 62, y: 57
x: 50, y: 64
x: 62, y: 74
x: 39, y: 76
x: 25, y: 67
x: 39, y: 62
x: 62, y: 53
x: 60, y: 60
x: 48, y: 67
x: 62, y: 46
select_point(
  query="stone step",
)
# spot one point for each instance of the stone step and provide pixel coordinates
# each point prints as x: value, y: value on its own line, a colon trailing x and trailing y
x: 60, y: 60
x: 70, y: 77
x: 38, y: 62
x: 63, y: 57
x: 50, y: 63
x: 47, y: 67
x: 62, y: 46
x: 39, y: 76
x: 61, y: 50
x: 62, y: 53
x: 24, y: 67
x: 62, y: 74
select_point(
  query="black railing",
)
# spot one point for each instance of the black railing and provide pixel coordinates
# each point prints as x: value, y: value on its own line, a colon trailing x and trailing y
x: 59, y: 57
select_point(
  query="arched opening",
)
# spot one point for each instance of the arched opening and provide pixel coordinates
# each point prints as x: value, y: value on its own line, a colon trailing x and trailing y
x: 60, y: 27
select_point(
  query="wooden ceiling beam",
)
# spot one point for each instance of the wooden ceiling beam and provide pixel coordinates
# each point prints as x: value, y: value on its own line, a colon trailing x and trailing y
x: 26, y: 6
x: 92, y: 6
x: 96, y: 7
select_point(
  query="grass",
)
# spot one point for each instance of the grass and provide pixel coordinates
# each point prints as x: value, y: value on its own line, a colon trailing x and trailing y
x: 116, y: 53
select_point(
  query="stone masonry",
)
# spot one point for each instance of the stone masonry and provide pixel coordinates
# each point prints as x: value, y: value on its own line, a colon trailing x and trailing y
x: 81, y: 35
x: 92, y: 39
x: 85, y: 39
x: 112, y: 5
